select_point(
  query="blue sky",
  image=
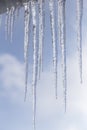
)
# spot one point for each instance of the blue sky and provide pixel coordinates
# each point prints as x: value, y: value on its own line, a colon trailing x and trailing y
x: 15, y: 114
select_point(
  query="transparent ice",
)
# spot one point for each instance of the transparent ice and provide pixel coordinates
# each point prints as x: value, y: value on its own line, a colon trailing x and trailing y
x: 26, y: 41
x: 79, y: 34
x: 34, y: 10
x: 35, y: 60
x: 62, y: 35
x: 54, y: 45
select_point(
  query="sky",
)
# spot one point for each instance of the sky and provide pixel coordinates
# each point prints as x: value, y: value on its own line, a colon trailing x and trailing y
x: 15, y: 114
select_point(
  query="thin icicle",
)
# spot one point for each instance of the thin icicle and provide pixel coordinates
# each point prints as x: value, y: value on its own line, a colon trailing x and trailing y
x: 7, y: 23
x: 12, y: 21
x: 52, y: 21
x: 55, y: 19
x: 79, y: 33
x: 17, y: 11
x: 41, y: 37
x: 61, y: 6
x: 59, y: 22
x: 35, y: 60
x: 43, y: 9
x: 26, y: 41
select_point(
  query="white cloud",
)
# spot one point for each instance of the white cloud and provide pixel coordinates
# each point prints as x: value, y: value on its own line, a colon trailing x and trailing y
x: 72, y: 128
x: 11, y: 77
x: 48, y: 108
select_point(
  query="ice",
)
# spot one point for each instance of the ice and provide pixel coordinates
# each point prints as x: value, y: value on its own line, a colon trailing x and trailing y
x: 35, y: 60
x: 12, y: 22
x: 79, y: 33
x: 61, y: 6
x: 7, y: 23
x: 26, y: 41
x: 36, y: 11
x: 59, y: 22
x: 41, y: 36
x: 54, y: 44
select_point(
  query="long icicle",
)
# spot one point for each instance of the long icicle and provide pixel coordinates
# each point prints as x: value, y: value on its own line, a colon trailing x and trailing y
x: 79, y: 33
x: 41, y: 37
x: 35, y: 60
x: 52, y: 22
x: 26, y: 41
x: 61, y: 6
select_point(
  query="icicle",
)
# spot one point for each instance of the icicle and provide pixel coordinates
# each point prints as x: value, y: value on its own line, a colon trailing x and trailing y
x: 59, y: 22
x: 7, y: 23
x: 61, y: 6
x: 55, y: 19
x: 17, y: 11
x: 35, y: 60
x: 52, y: 21
x: 26, y: 41
x: 79, y: 33
x: 12, y: 21
x: 43, y: 9
x: 41, y: 37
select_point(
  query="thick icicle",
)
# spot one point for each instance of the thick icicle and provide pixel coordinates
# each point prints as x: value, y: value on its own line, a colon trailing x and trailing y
x: 79, y: 33
x: 35, y: 60
x: 12, y: 22
x: 41, y: 37
x: 61, y: 6
x: 26, y: 41
x: 52, y: 21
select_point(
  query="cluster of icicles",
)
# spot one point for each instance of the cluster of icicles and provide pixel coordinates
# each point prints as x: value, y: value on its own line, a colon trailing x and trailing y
x: 31, y: 8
